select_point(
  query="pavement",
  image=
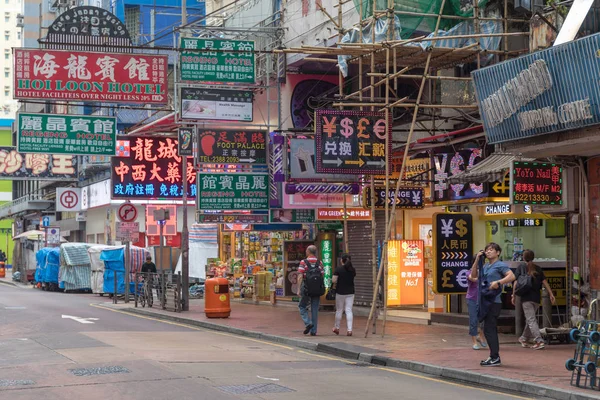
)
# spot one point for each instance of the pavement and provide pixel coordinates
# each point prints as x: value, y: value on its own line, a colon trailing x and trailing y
x: 7, y: 280
x: 438, y: 350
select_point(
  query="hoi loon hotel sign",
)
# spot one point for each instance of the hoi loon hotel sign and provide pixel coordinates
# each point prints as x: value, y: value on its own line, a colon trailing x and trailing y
x: 548, y: 91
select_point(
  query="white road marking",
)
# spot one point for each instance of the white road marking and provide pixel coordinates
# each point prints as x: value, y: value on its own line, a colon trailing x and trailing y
x: 80, y: 320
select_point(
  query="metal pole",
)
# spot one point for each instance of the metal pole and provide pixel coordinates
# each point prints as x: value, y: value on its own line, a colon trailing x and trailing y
x: 152, y: 26
x: 127, y: 270
x: 162, y: 228
x: 184, y: 12
x: 185, y: 248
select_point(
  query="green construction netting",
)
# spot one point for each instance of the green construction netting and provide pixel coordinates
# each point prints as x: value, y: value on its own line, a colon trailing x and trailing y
x: 409, y: 23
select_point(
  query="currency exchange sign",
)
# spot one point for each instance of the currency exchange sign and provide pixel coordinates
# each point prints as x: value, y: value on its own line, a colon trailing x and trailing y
x: 217, y: 60
x: 453, y: 247
x: 233, y: 191
x: 66, y: 134
x: 87, y: 76
x: 352, y: 142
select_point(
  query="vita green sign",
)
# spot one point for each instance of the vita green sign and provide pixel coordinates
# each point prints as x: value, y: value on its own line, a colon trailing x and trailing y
x: 217, y: 60
x: 66, y: 134
x: 233, y: 191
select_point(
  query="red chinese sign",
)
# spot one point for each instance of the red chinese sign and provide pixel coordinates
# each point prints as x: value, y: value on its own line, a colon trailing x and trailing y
x: 536, y: 183
x: 24, y: 166
x: 232, y: 146
x: 86, y: 76
x: 149, y: 169
x: 337, y: 214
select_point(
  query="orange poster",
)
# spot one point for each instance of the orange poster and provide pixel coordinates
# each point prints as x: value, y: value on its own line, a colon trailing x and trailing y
x: 406, y: 273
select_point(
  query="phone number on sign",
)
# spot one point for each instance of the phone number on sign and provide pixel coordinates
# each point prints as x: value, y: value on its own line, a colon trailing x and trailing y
x: 529, y: 197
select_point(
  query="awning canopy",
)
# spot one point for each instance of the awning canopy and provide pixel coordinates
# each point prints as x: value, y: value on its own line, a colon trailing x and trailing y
x: 491, y: 169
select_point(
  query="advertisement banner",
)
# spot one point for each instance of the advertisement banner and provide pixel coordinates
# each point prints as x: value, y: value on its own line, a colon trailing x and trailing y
x: 406, y: 272
x: 216, y: 104
x: 453, y: 248
x: 220, y: 61
x: 185, y: 141
x: 232, y: 146
x: 233, y: 218
x: 17, y: 166
x: 86, y: 76
x: 292, y: 216
x: 233, y: 191
x: 352, y: 142
x: 536, y: 183
x: 302, y: 164
x: 149, y: 168
x: 337, y: 214
x: 66, y: 134
x: 315, y: 200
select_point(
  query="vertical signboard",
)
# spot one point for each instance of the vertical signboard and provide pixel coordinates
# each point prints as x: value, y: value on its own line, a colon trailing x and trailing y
x: 453, y: 248
x: 327, y: 254
x: 406, y: 285
x: 185, y: 140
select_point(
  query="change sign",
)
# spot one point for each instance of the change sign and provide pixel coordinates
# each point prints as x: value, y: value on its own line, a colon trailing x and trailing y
x: 453, y: 246
x: 66, y: 134
x: 352, y: 142
x: 220, y: 60
x: 407, y: 197
x: 233, y: 191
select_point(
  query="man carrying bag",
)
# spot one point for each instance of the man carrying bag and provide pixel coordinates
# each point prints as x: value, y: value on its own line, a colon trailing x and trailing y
x: 311, y: 287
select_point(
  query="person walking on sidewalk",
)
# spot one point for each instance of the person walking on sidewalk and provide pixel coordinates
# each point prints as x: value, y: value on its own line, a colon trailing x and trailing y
x: 343, y: 283
x: 531, y: 278
x: 474, y: 326
x: 311, y: 286
x: 494, y: 275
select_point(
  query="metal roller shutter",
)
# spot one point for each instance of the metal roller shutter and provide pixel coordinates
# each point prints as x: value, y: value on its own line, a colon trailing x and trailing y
x: 361, y: 249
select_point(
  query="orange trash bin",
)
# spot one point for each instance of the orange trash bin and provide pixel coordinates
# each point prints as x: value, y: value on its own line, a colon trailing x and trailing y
x: 2, y: 269
x: 216, y: 298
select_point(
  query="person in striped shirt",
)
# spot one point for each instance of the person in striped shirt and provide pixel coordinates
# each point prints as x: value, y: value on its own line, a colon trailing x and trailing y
x: 310, y: 324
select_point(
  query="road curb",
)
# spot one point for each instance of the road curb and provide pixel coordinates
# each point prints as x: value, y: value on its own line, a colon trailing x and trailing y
x: 490, y: 381
x: 8, y: 283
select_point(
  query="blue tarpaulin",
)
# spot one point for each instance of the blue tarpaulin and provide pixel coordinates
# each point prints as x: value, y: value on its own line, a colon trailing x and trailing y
x: 48, y: 263
x: 114, y: 263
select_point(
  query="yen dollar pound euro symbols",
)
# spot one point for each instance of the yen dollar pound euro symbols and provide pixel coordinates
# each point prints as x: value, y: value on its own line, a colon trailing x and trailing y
x: 462, y: 278
x: 446, y: 227
x: 446, y: 276
x: 461, y: 228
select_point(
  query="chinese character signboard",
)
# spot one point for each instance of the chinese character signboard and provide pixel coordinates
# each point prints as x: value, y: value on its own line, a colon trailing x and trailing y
x: 216, y: 104
x: 185, y: 141
x: 292, y: 216
x: 302, y: 164
x: 86, y: 76
x: 326, y: 255
x: 407, y: 197
x: 552, y: 90
x: 66, y: 134
x: 536, y: 183
x: 233, y: 218
x: 88, y: 21
x: 453, y: 247
x: 233, y: 191
x: 232, y: 147
x: 220, y: 60
x: 352, y: 142
x: 149, y: 168
x: 447, y: 165
x: 337, y: 214
x: 24, y: 166
x: 406, y: 271
x: 524, y: 222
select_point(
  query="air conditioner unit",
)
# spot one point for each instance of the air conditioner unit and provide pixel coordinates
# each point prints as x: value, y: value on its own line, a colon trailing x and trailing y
x: 569, y: 201
x: 20, y: 21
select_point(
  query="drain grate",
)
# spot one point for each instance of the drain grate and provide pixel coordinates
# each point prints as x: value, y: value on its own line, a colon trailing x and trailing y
x: 9, y: 382
x: 99, y: 371
x: 255, y: 389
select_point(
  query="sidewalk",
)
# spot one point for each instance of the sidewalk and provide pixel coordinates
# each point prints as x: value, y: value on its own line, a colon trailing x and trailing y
x: 7, y: 280
x: 435, y: 349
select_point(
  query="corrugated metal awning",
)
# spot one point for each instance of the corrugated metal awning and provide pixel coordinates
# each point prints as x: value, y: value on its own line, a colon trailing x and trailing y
x: 492, y: 169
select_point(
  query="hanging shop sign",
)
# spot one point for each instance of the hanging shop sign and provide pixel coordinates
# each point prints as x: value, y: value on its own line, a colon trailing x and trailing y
x: 86, y: 76
x: 169, y: 224
x: 216, y: 104
x: 149, y: 168
x: 352, y: 142
x: 292, y: 216
x: 529, y: 95
x: 233, y: 218
x: 233, y: 191
x: 447, y: 165
x: 68, y: 199
x: 293, y: 253
x: 498, y: 209
x: 337, y: 214
x: 66, y: 134
x: 326, y: 255
x: 536, y: 183
x: 524, y: 222
x: 185, y: 141
x: 232, y: 146
x: 15, y: 165
x: 128, y: 231
x: 406, y: 270
x: 407, y: 197
x: 417, y: 173
x: 88, y: 21
x: 315, y: 200
x: 453, y: 248
x: 302, y: 164
x: 217, y: 60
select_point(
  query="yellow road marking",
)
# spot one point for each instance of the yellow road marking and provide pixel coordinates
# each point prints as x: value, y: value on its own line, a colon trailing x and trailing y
x: 192, y: 327
x: 450, y: 383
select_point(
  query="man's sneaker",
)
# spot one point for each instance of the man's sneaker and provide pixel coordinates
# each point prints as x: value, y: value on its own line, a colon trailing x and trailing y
x: 539, y: 346
x: 523, y: 342
x: 308, y: 328
x: 491, y: 362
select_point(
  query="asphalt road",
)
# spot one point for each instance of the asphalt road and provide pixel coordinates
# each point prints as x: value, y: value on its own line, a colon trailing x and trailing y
x: 66, y: 346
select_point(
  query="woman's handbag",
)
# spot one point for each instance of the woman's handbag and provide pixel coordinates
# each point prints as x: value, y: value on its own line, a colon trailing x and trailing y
x: 330, y: 294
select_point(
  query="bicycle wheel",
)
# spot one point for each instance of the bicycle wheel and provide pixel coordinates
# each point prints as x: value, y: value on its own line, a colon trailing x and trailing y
x: 142, y: 297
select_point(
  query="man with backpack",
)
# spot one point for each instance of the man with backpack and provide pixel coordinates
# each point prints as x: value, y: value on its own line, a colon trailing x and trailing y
x: 311, y: 286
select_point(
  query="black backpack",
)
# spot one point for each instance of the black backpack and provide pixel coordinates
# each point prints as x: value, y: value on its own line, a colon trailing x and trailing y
x: 314, y: 284
x: 524, y: 282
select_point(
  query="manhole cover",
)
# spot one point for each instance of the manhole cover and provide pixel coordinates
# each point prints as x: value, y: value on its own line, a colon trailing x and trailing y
x: 255, y: 389
x: 9, y: 382
x: 99, y: 371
